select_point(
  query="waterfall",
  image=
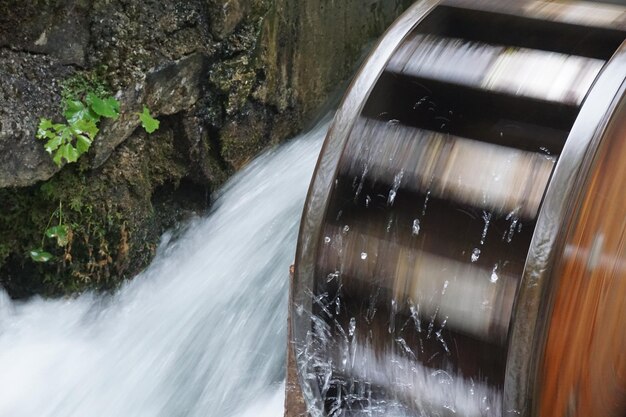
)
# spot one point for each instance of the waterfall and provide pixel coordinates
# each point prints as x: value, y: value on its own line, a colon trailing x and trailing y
x: 201, y: 332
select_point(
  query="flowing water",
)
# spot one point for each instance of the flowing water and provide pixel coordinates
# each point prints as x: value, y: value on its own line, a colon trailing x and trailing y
x: 201, y: 332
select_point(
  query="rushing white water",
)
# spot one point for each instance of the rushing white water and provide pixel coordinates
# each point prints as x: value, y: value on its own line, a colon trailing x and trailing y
x: 202, y: 332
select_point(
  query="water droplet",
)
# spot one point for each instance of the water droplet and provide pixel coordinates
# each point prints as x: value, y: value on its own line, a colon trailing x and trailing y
x: 415, y: 311
x: 346, y: 229
x: 332, y: 276
x: 425, y: 203
x: 327, y: 240
x: 508, y: 235
x: 394, y: 189
x: 494, y: 274
x: 475, y: 254
x: 363, y: 255
x: 487, y: 220
x: 352, y: 327
x: 416, y: 227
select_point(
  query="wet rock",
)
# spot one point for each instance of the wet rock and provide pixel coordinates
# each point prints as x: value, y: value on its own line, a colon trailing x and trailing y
x: 56, y: 28
x: 29, y: 90
x: 132, y: 37
x: 280, y: 57
x: 170, y: 89
x: 235, y: 79
x: 245, y: 137
x: 226, y: 15
x: 203, y: 149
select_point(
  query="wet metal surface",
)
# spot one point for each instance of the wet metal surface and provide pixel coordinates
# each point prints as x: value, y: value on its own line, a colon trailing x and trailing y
x: 425, y: 247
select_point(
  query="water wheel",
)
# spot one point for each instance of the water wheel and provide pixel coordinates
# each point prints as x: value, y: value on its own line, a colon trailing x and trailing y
x: 463, y: 245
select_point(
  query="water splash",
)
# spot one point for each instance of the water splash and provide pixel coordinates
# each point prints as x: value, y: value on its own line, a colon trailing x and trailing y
x: 415, y: 228
x: 200, y: 333
x: 475, y: 255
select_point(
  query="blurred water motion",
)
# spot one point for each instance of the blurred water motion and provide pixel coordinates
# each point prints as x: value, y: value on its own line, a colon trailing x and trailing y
x: 200, y: 333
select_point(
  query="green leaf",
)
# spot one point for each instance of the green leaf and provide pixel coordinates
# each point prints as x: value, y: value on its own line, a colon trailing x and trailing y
x: 45, y: 124
x: 69, y: 152
x: 111, y: 101
x: 43, y: 129
x: 53, y: 144
x: 76, y: 110
x: 149, y: 123
x: 59, y: 145
x: 58, y: 128
x: 50, y: 134
x: 83, y: 143
x: 66, y: 134
x: 60, y: 233
x: 87, y: 127
x: 56, y: 231
x: 58, y: 158
x: 108, y: 107
x: 39, y: 255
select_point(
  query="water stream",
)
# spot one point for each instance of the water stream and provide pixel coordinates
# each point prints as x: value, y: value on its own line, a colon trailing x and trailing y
x: 201, y: 332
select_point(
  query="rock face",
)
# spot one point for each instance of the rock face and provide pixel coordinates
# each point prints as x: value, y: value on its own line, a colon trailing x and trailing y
x: 29, y: 87
x: 225, y: 77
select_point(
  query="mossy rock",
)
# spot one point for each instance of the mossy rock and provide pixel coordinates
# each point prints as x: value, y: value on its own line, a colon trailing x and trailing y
x: 115, y: 215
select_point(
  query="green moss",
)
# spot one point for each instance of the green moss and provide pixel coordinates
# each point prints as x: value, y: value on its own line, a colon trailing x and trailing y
x: 235, y: 79
x: 80, y: 83
x: 87, y: 259
x: 114, y: 226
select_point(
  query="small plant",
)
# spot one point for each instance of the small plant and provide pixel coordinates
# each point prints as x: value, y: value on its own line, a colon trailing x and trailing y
x: 149, y: 123
x: 61, y: 233
x: 86, y: 100
x: 68, y: 141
